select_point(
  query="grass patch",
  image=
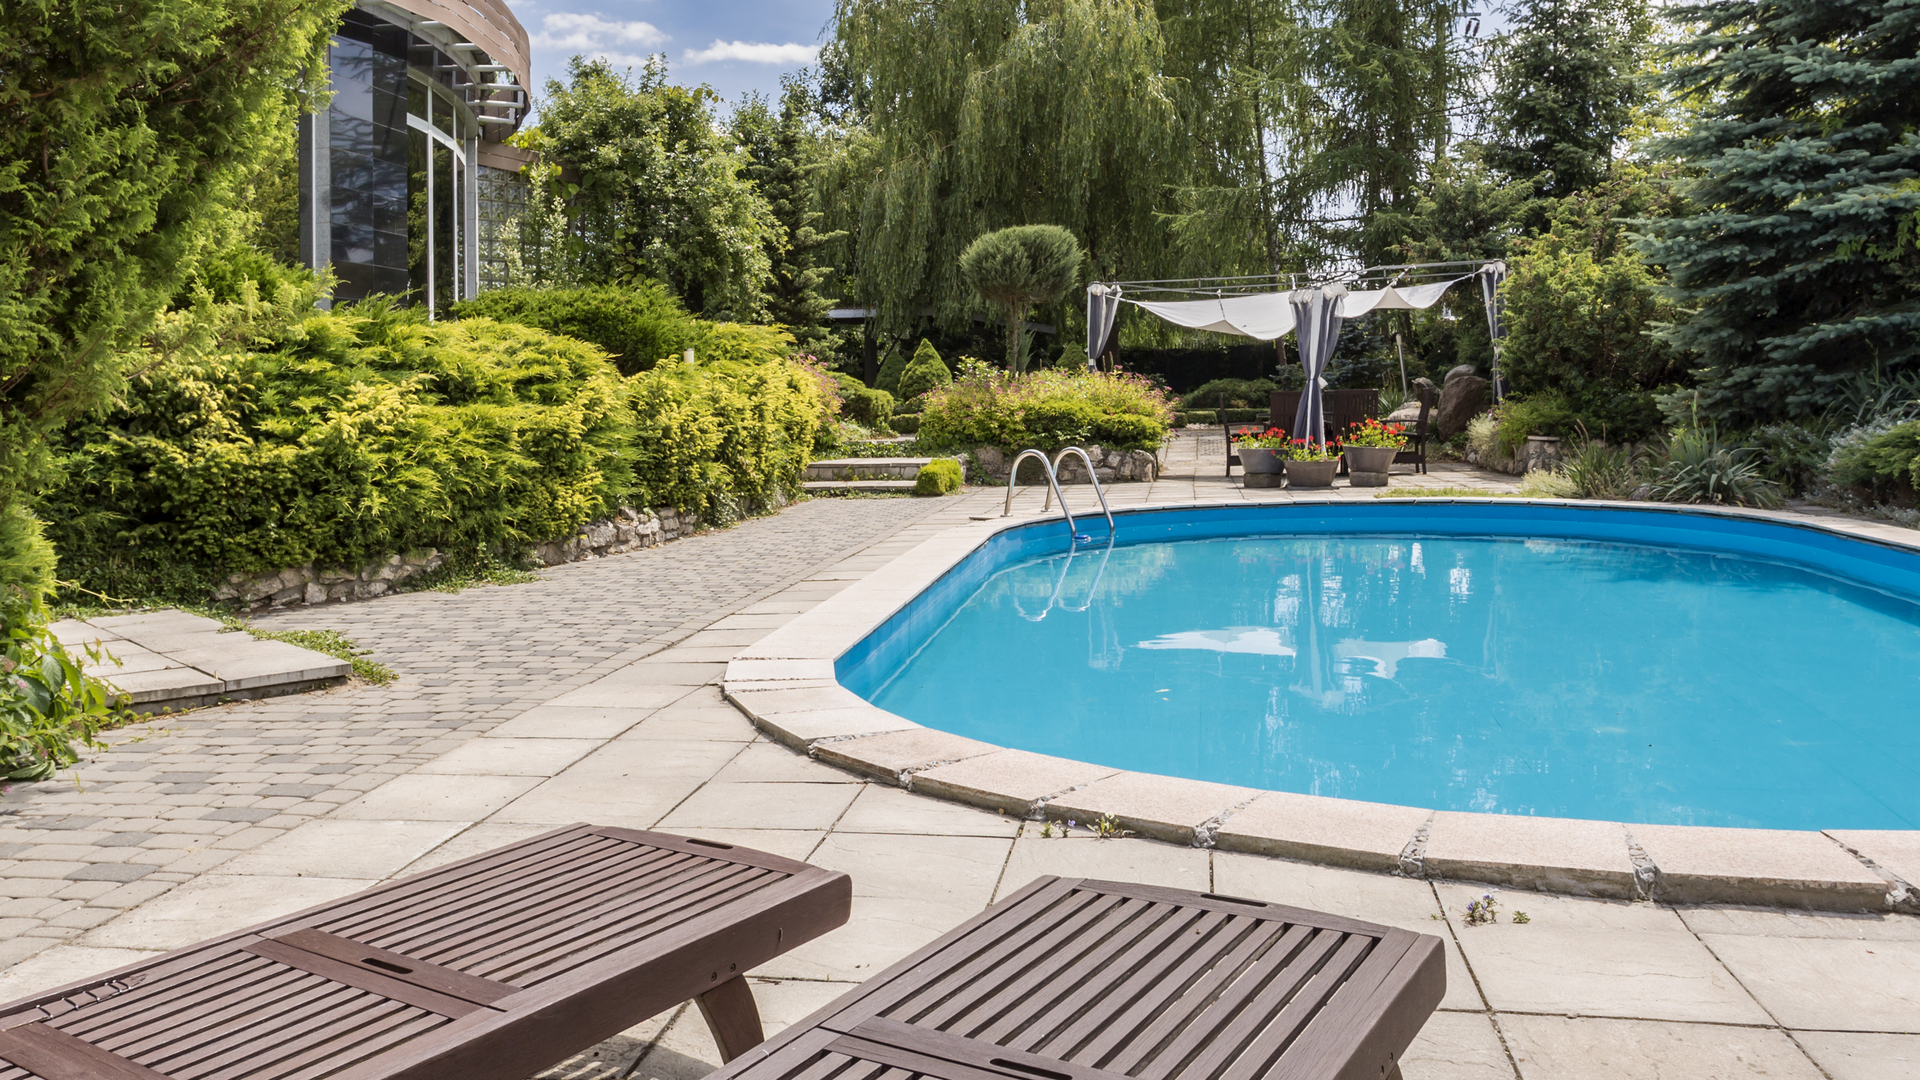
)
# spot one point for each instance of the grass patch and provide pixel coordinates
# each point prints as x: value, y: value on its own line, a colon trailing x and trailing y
x: 1444, y: 493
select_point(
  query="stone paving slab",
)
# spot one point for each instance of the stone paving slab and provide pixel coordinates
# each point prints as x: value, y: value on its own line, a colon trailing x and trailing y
x: 174, y: 659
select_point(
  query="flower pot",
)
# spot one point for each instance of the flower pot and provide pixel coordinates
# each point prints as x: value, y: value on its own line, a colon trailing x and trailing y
x: 1311, y: 474
x: 1257, y: 460
x: 1369, y: 459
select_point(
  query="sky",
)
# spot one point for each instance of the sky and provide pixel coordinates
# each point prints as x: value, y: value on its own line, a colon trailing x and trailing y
x: 735, y: 46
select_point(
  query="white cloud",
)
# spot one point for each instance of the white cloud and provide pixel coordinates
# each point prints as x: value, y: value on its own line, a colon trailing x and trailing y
x: 754, y: 53
x: 593, y: 34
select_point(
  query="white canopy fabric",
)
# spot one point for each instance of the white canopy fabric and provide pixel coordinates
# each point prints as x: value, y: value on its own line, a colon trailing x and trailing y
x: 1262, y: 316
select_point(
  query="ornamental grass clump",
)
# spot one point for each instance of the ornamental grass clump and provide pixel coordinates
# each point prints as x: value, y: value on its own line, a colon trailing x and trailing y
x: 1045, y: 410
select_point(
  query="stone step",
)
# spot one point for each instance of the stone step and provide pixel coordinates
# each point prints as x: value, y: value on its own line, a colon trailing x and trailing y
x: 829, y: 487
x: 172, y: 660
x: 884, y: 468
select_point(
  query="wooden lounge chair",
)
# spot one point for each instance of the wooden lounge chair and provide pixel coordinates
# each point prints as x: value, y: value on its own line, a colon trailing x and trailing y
x: 495, y: 967
x: 1071, y: 979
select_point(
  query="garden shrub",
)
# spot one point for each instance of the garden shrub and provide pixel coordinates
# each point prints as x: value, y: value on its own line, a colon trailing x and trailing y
x: 46, y: 704
x: 724, y: 438
x: 1046, y: 410
x: 1791, y: 455
x: 1699, y: 468
x: 1241, y: 394
x: 1882, y: 458
x: 341, y: 438
x: 636, y: 325
x: 938, y: 477
x: 905, y: 423
x: 926, y: 371
x: 873, y: 408
x: 1547, y: 413
x: 891, y: 368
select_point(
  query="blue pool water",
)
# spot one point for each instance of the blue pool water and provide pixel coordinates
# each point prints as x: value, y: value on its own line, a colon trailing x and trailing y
x: 1700, y: 679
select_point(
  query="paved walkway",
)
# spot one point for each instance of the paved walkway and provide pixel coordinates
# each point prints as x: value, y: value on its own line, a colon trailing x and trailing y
x: 590, y: 695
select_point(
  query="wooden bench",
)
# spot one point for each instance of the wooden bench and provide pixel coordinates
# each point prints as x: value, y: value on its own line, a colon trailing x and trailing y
x: 492, y: 968
x: 1071, y: 979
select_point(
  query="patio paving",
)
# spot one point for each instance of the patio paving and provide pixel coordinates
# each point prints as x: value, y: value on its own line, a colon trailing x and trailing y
x: 593, y: 695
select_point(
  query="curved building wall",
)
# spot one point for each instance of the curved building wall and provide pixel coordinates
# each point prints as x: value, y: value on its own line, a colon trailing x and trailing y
x: 391, y: 175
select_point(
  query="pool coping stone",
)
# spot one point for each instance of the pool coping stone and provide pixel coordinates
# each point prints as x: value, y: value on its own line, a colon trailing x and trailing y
x: 784, y: 683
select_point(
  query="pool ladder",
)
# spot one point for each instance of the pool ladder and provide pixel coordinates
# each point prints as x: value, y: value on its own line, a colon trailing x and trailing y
x: 1052, y: 467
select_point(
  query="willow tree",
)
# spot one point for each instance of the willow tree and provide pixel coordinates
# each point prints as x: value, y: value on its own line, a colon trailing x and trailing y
x: 985, y: 114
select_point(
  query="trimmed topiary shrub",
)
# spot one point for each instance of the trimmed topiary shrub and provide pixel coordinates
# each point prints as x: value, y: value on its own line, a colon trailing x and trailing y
x: 926, y: 371
x: 939, y: 477
x: 891, y: 368
x: 1241, y: 394
x: 637, y: 325
x: 905, y: 423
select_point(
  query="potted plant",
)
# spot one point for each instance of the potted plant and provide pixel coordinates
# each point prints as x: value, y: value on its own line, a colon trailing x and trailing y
x: 1311, y: 464
x: 1260, y: 451
x: 1370, y: 446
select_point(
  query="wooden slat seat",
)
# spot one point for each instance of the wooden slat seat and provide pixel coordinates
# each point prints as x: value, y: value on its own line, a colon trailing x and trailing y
x: 1072, y: 979
x: 493, y: 967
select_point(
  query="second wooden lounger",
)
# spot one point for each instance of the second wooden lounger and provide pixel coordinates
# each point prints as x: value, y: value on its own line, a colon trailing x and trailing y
x: 1071, y: 979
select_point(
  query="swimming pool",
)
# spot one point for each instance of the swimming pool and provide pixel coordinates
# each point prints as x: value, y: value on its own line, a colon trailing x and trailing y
x: 1645, y: 666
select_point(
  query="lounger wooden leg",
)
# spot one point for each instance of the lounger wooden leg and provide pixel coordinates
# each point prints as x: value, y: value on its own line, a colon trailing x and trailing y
x: 732, y: 1017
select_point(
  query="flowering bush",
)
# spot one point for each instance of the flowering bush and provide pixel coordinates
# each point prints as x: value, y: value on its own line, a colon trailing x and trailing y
x: 1271, y: 439
x: 1375, y: 433
x: 1045, y: 410
x: 1304, y: 450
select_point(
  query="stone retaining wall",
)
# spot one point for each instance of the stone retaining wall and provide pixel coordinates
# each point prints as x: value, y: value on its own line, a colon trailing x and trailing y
x: 1109, y: 465
x: 627, y: 530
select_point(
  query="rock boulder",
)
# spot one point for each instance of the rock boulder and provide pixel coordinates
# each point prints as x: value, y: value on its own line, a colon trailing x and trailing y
x: 1465, y: 397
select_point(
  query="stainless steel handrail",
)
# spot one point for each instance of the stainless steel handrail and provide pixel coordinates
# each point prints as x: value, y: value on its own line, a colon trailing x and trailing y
x: 1073, y: 531
x: 1061, y: 455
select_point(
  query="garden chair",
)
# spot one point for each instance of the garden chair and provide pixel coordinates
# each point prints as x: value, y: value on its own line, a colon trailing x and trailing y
x: 493, y: 968
x: 1415, y: 453
x: 1071, y: 979
x: 1233, y: 431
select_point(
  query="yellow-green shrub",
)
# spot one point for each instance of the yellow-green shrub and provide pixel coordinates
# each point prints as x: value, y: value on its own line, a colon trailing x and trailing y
x: 340, y: 438
x: 938, y: 477
x: 1045, y: 410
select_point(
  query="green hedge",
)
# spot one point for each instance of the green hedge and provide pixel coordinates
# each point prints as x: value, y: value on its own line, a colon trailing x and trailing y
x: 637, y: 325
x: 1046, y: 410
x: 340, y: 438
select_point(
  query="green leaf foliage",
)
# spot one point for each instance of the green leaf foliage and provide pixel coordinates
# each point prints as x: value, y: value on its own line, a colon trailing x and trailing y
x: 874, y: 408
x: 939, y: 477
x: 1581, y: 308
x: 785, y: 154
x: 1015, y: 268
x: 990, y: 113
x: 1799, y: 173
x: 661, y: 194
x: 1241, y: 394
x: 924, y: 372
x: 728, y: 434
x: 1565, y: 89
x: 124, y: 129
x: 1045, y: 410
x: 1885, y: 460
x: 891, y: 368
x: 636, y: 324
x: 336, y: 439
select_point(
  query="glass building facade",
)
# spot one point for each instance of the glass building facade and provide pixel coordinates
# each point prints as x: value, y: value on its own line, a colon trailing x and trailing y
x: 392, y: 174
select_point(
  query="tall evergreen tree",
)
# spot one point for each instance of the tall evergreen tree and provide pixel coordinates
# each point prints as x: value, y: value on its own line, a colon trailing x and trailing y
x: 1798, y: 258
x: 785, y: 157
x: 1564, y: 90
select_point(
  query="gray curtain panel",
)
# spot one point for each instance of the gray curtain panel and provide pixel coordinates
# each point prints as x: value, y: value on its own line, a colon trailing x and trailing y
x: 1316, y: 325
x: 1103, y: 306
